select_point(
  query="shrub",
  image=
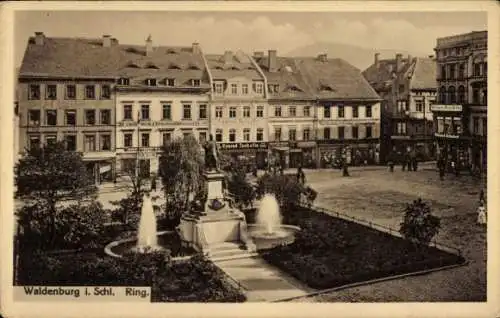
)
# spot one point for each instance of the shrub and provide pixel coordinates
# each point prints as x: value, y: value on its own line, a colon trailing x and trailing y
x: 75, y: 226
x: 285, y: 188
x: 419, y: 225
x: 240, y: 188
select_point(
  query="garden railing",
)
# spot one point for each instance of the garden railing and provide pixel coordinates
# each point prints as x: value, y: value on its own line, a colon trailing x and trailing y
x: 379, y: 227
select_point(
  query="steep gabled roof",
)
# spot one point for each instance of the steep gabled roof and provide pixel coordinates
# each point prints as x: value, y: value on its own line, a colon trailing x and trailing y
x: 223, y: 67
x: 81, y: 58
x: 291, y: 84
x: 335, y: 79
x: 381, y: 77
x: 424, y: 74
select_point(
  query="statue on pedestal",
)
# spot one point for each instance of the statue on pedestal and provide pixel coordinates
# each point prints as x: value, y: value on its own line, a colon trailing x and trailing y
x: 211, y: 155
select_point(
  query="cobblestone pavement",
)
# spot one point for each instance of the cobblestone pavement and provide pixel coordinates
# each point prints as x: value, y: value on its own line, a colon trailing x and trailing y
x: 380, y: 196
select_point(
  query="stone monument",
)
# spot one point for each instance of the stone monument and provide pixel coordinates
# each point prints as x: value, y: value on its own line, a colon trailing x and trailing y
x: 215, y: 220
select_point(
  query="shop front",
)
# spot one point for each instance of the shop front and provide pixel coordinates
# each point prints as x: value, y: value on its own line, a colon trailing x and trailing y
x: 100, y: 166
x: 250, y: 154
x: 456, y: 150
x: 302, y: 154
x: 280, y: 151
x: 146, y: 161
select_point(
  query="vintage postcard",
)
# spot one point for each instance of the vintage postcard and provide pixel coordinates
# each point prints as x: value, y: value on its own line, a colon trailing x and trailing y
x: 249, y: 159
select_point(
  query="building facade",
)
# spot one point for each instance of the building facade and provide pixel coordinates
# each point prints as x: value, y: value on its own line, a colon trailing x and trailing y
x: 239, y: 110
x: 408, y: 89
x: 460, y: 115
x: 69, y: 103
x: 291, y: 114
x: 160, y: 96
x: 347, y: 110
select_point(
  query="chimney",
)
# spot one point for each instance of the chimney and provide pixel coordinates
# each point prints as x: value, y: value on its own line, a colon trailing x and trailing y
x: 376, y: 61
x: 106, y: 40
x: 323, y: 57
x: 272, y: 63
x: 114, y: 41
x: 399, y: 58
x: 431, y: 56
x: 39, y: 38
x: 409, y: 58
x: 228, y: 56
x: 149, y: 45
x: 258, y: 54
x: 196, y: 48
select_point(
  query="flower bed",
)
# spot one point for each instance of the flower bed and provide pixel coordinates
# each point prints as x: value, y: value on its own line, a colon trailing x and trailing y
x: 193, y: 280
x: 331, y: 252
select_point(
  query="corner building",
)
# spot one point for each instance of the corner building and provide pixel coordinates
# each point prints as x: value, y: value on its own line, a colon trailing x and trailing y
x: 408, y: 89
x: 66, y: 93
x: 460, y: 115
x: 238, y: 114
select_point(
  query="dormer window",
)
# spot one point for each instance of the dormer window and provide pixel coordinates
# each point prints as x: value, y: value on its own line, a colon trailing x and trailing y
x: 234, y: 68
x: 273, y: 88
x: 123, y: 81
x: 193, y: 67
x: 132, y: 65
x: 171, y: 51
x: 174, y: 66
x: 257, y: 88
x: 152, y: 66
x: 195, y: 82
x: 151, y: 82
x: 218, y: 68
x: 170, y: 82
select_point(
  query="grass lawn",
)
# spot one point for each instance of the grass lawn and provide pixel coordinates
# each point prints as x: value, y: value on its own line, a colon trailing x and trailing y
x: 331, y: 252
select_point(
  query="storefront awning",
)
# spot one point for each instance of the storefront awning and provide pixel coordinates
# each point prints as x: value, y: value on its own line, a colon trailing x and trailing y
x: 281, y: 148
x: 97, y: 156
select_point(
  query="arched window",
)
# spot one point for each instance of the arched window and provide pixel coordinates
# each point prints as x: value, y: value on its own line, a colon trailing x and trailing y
x: 442, y: 95
x: 461, y: 94
x: 452, y: 96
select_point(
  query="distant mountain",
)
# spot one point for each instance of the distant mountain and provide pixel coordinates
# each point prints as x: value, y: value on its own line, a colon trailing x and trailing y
x: 359, y: 57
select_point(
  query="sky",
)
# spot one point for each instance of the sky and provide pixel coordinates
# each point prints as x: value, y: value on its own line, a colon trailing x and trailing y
x: 252, y: 31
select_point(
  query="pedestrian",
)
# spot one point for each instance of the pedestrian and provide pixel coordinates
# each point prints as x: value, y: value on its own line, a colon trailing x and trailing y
x: 481, y: 196
x: 481, y: 214
x: 255, y: 171
x: 415, y: 164
x: 441, y: 167
x: 391, y: 165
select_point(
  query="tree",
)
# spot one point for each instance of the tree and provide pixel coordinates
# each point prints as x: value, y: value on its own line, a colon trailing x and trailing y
x: 243, y: 192
x: 51, y: 174
x: 419, y: 225
x: 181, y: 171
x: 285, y: 188
x: 129, y: 207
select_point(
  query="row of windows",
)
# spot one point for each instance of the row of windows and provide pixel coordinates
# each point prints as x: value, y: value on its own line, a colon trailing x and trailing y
x: 70, y: 141
x: 167, y: 81
x: 70, y: 115
x: 458, y: 71
x: 259, y: 136
x: 449, y: 125
x: 452, y: 96
x: 145, y: 112
x: 236, y: 89
x: 219, y: 112
x: 145, y: 138
x: 327, y: 112
x: 34, y: 91
x: 327, y: 133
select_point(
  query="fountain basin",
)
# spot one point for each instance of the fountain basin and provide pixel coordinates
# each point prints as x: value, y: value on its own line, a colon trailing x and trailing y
x: 167, y: 240
x: 282, y: 234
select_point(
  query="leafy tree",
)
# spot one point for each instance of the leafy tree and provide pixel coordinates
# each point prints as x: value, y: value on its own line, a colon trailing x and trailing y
x: 181, y: 172
x: 51, y: 174
x: 419, y: 225
x: 285, y: 188
x: 240, y: 188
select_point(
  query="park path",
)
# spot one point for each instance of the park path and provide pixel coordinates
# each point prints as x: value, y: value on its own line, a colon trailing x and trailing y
x: 261, y: 281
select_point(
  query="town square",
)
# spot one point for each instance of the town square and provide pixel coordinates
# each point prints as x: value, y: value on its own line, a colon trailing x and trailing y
x: 166, y: 169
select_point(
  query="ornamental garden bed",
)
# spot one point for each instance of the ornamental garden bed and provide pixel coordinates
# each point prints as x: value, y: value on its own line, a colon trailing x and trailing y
x: 193, y: 280
x: 330, y: 252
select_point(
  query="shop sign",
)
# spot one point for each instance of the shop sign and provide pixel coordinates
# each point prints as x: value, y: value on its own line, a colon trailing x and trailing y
x: 446, y: 108
x: 243, y: 146
x: 447, y: 136
x: 279, y: 144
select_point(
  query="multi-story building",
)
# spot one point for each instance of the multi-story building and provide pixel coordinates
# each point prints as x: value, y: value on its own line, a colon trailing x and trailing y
x: 65, y: 93
x: 162, y: 93
x: 291, y: 110
x: 408, y: 89
x: 347, y: 110
x: 238, y: 115
x: 460, y: 114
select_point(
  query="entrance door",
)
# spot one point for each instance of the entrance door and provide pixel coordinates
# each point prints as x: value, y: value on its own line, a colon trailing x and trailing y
x: 295, y: 159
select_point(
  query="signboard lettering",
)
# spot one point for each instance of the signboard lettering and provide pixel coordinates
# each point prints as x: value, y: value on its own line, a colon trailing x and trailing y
x: 446, y: 108
x: 243, y: 146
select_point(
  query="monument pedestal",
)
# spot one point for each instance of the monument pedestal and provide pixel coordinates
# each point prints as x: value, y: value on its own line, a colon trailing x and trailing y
x: 217, y: 223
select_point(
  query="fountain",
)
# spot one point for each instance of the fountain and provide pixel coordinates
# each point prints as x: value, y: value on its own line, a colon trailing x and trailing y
x: 268, y: 231
x: 146, y: 236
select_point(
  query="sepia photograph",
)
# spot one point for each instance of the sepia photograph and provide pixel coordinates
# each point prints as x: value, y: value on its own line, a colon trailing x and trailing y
x: 249, y: 156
